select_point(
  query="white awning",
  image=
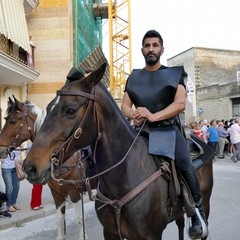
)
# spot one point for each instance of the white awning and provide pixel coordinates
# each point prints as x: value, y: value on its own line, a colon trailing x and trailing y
x: 2, y: 21
x: 13, y: 23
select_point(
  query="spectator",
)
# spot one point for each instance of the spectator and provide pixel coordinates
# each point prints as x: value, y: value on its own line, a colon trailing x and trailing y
x: 36, y: 199
x: 3, y: 209
x: 230, y: 147
x: 30, y: 55
x: 192, y: 126
x: 36, y: 196
x: 11, y: 180
x: 204, y: 128
x: 234, y: 132
x: 212, y: 135
x: 198, y: 131
x: 222, y: 133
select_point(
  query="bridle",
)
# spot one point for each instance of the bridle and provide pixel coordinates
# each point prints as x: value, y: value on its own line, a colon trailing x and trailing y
x: 58, y: 155
x: 24, y: 119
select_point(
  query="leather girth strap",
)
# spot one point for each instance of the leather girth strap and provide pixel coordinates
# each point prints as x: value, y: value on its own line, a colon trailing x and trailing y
x: 175, y: 179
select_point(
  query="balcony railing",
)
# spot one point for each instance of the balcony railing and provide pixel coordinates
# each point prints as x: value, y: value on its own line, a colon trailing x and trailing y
x: 16, y: 65
x: 10, y: 48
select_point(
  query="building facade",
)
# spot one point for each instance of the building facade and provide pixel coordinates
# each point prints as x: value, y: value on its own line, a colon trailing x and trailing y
x: 59, y: 34
x: 64, y: 32
x: 215, y: 82
x: 16, y: 51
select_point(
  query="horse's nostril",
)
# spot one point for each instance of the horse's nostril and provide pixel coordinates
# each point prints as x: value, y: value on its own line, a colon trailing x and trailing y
x: 31, y: 172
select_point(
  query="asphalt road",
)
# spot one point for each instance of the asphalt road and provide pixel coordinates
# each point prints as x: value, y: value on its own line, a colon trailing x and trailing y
x: 223, y: 221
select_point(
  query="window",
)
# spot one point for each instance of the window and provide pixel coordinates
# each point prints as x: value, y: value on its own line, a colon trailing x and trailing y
x: 238, y: 78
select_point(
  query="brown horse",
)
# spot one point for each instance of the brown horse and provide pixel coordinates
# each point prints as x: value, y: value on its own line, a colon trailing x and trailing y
x: 23, y: 121
x: 133, y: 193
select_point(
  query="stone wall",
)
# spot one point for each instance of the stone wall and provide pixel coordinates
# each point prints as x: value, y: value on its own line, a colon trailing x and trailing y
x: 214, y: 73
x: 216, y: 66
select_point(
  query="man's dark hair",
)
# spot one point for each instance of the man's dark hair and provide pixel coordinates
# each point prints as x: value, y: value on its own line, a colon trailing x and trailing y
x: 152, y: 34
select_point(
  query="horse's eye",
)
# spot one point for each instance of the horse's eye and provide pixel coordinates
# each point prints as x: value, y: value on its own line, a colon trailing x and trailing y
x: 70, y: 111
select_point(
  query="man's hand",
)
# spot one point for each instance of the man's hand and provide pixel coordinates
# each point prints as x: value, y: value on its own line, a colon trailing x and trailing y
x: 142, y: 113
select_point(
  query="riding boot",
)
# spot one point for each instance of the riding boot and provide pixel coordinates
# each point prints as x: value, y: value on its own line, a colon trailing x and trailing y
x: 198, y: 227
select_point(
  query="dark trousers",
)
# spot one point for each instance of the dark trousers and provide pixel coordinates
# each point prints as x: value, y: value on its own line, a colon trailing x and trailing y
x: 185, y: 166
x: 213, y: 145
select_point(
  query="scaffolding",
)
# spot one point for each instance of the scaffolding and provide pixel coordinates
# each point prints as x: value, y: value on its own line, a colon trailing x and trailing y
x: 119, y: 45
x: 87, y: 35
x: 87, y: 29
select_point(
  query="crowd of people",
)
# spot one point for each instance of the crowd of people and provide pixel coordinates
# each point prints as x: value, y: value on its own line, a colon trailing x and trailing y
x: 221, y: 135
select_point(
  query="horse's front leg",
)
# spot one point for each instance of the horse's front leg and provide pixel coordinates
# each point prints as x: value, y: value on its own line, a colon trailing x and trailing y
x: 181, y: 224
x: 61, y: 223
x: 79, y: 216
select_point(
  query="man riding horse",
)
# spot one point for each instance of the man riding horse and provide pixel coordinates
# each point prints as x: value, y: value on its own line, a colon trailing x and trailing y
x: 159, y: 95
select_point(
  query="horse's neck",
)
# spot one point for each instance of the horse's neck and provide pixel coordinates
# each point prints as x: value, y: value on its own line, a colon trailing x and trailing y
x: 116, y: 137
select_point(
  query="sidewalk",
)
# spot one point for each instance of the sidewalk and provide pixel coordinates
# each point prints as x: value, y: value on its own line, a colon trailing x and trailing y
x: 26, y: 214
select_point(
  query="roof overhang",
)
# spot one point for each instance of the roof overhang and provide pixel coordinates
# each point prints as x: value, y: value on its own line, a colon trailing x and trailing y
x: 13, y: 72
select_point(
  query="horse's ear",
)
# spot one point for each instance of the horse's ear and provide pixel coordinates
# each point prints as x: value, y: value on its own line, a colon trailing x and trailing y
x: 15, y: 100
x: 10, y: 101
x: 95, y: 77
x: 18, y: 104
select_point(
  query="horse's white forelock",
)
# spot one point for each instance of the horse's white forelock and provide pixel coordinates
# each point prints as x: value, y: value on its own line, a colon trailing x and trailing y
x: 55, y: 103
x: 41, y: 114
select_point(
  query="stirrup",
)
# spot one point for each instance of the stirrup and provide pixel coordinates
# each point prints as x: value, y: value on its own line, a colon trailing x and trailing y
x: 204, y: 226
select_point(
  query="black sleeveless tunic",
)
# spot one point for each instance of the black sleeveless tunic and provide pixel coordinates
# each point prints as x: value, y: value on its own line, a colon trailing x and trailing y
x: 155, y: 91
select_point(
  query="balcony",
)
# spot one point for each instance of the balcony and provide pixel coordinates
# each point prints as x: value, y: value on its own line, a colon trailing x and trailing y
x: 100, y: 10
x: 14, y: 72
x: 16, y: 65
x: 16, y: 52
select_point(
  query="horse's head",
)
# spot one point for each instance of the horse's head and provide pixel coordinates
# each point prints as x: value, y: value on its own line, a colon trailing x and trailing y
x: 63, y: 130
x: 19, y: 125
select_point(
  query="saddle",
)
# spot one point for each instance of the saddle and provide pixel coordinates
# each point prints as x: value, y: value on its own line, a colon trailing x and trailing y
x: 200, y: 154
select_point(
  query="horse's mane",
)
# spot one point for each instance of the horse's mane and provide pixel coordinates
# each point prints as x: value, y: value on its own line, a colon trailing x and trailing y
x: 41, y: 114
x: 115, y: 106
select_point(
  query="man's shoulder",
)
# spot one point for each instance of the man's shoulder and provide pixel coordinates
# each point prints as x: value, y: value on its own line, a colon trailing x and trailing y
x: 163, y: 67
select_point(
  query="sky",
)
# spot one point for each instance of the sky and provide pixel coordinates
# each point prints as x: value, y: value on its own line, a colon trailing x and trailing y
x: 183, y: 24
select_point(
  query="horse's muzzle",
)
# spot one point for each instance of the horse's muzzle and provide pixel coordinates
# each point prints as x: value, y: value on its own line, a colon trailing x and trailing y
x: 33, y: 177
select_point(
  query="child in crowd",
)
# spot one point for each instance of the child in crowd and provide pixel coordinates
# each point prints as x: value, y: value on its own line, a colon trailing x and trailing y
x: 198, y: 131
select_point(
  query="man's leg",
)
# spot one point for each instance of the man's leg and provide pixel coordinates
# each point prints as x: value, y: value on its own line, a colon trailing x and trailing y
x: 184, y: 164
x: 221, y: 145
x: 235, y: 156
